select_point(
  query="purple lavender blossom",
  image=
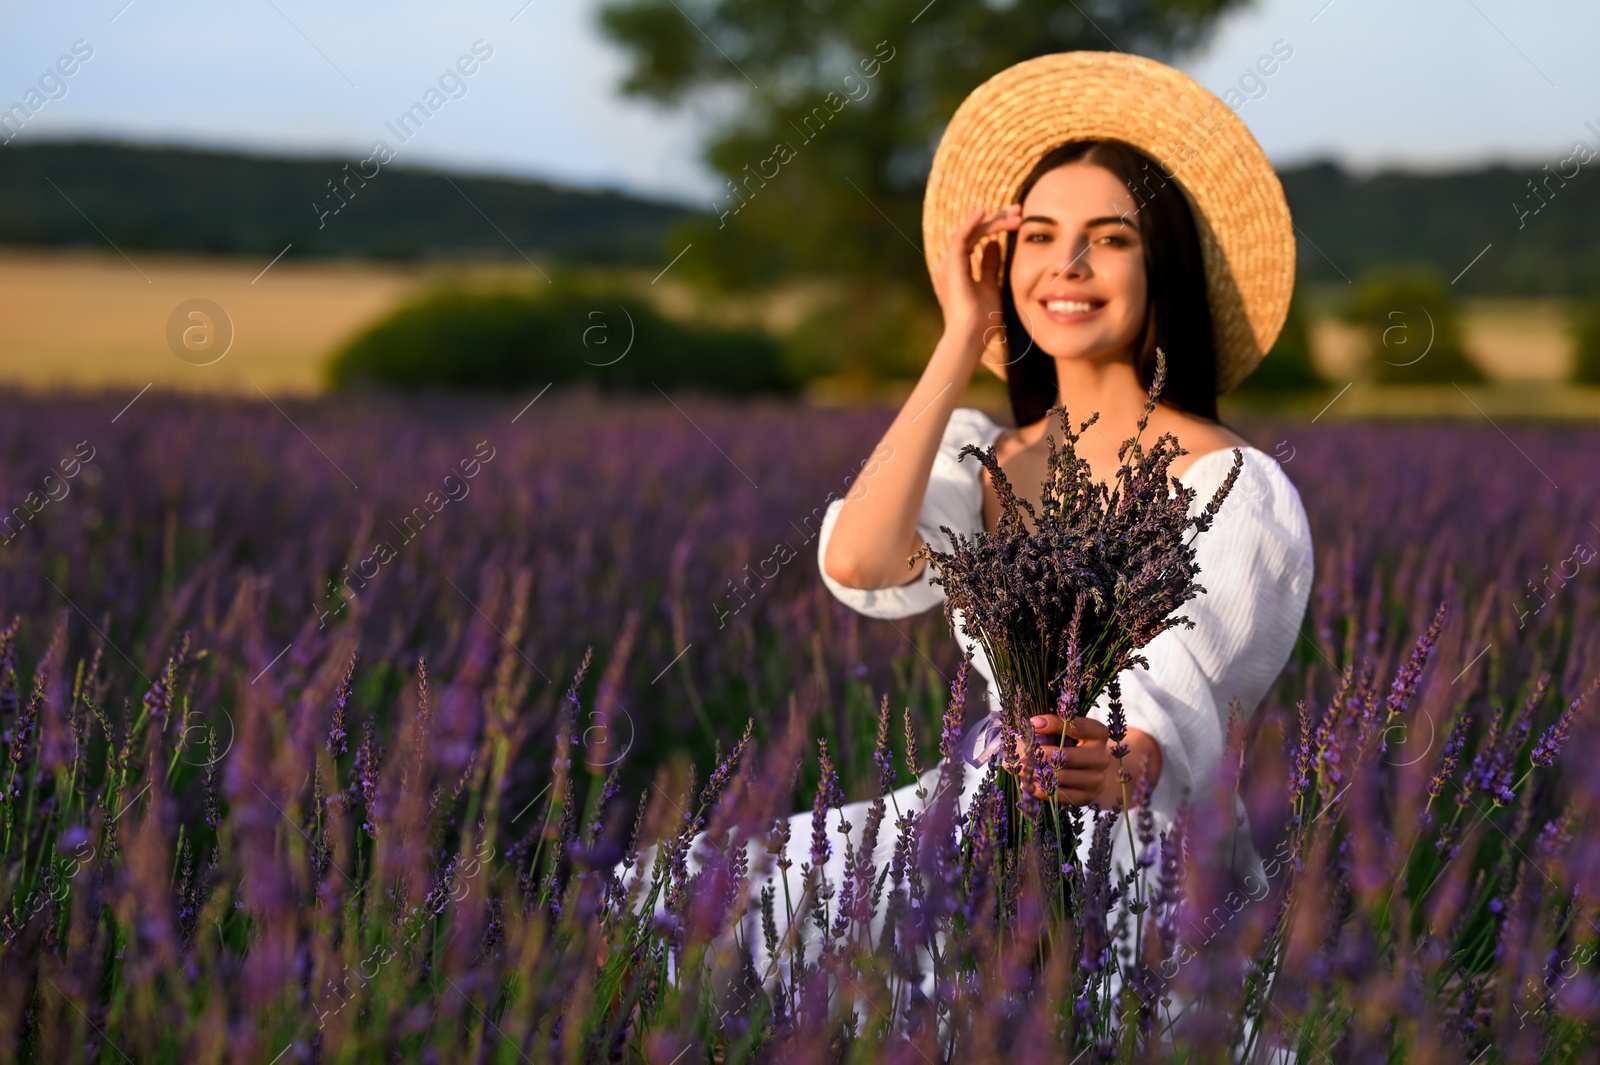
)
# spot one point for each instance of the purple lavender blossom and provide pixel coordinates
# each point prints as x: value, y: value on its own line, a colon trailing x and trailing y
x: 828, y: 794
x: 882, y: 758
x: 1405, y: 682
x: 1096, y: 567
x: 586, y: 960
x: 1453, y: 746
x: 341, y: 699
x: 365, y: 785
x: 1546, y: 750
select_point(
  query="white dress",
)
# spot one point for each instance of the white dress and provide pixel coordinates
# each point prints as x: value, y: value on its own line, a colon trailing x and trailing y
x: 1256, y: 566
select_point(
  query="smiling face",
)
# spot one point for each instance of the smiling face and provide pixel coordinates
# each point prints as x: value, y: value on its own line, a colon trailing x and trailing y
x: 1077, y: 274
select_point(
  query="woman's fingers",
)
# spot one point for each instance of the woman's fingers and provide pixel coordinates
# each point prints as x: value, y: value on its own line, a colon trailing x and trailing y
x: 980, y: 224
x: 989, y: 265
x: 999, y: 222
x: 954, y: 284
x: 1097, y: 758
x: 1004, y: 219
x: 967, y: 300
x: 961, y: 240
x: 1084, y: 729
x: 1088, y: 783
x: 1076, y: 792
x: 1088, y: 729
x: 1093, y: 758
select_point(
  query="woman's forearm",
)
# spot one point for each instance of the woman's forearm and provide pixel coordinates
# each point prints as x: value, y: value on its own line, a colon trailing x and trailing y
x: 877, y: 526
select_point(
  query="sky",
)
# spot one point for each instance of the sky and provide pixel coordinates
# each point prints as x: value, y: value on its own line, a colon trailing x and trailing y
x: 1423, y: 84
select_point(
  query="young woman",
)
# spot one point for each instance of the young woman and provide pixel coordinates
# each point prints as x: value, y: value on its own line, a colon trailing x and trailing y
x: 1119, y: 207
x: 1091, y: 282
x: 1117, y: 210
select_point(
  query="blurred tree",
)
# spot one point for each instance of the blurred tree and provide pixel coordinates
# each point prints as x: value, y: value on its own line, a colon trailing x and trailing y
x: 1288, y: 365
x: 837, y: 107
x: 461, y: 338
x: 1415, y: 329
x: 872, y: 330
x: 1586, y: 343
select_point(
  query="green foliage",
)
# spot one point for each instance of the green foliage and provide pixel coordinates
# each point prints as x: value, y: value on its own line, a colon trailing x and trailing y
x: 841, y: 106
x: 1415, y: 328
x: 1288, y: 365
x: 229, y: 203
x: 1358, y: 223
x: 871, y: 332
x: 559, y: 332
x: 1586, y: 343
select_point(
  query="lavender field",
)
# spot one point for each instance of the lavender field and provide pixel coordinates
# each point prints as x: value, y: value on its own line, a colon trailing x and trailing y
x: 326, y: 722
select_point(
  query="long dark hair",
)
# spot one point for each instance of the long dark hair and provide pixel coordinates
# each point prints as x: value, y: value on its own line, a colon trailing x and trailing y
x: 1178, y: 313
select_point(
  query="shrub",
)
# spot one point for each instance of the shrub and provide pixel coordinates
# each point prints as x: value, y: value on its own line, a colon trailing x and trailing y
x: 1414, y: 327
x: 1586, y: 343
x: 465, y: 339
x: 871, y: 332
x: 1288, y: 365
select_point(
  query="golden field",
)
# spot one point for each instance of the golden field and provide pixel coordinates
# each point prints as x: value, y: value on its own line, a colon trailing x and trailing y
x: 80, y: 320
x: 74, y: 319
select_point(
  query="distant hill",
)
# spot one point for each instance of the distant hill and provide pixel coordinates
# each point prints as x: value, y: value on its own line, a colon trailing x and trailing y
x: 1445, y: 220
x: 185, y: 199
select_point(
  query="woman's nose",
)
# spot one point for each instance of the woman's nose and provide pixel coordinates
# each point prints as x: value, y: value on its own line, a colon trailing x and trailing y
x: 1076, y: 265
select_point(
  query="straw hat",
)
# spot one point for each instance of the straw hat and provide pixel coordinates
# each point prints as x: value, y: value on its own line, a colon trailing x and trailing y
x: 1010, y: 121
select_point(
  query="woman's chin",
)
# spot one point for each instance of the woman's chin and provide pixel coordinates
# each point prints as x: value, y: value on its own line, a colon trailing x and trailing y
x: 1071, y: 346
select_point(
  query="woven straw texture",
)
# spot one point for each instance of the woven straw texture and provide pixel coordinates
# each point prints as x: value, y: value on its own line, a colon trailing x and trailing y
x: 1246, y: 237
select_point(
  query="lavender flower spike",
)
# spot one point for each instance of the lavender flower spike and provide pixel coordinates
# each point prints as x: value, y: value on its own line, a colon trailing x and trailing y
x: 1555, y: 737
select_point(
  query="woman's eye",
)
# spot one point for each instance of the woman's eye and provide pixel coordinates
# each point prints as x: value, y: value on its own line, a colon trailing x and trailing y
x: 1037, y: 238
x: 1116, y: 241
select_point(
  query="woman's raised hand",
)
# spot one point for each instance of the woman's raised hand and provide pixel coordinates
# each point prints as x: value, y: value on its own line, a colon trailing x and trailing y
x: 972, y: 307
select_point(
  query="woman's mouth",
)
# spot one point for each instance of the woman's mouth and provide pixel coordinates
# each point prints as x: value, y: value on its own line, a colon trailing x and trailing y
x: 1070, y: 311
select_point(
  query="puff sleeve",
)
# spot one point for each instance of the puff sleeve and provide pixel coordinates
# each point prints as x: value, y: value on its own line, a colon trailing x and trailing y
x: 954, y: 498
x: 1256, y: 564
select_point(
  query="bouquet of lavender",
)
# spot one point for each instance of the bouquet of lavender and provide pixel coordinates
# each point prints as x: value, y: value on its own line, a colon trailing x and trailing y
x: 1063, y: 607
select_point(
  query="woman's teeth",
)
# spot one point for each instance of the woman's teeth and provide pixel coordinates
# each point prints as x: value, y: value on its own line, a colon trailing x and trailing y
x: 1069, y: 306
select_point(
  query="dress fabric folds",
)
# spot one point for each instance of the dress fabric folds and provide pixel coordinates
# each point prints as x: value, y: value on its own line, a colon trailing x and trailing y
x: 1256, y: 564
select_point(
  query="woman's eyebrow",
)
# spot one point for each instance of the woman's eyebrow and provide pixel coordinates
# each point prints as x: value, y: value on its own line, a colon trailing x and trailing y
x: 1111, y: 220
x: 1103, y: 220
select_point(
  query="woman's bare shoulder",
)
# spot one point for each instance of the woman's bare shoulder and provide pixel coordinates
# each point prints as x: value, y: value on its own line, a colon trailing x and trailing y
x: 1007, y: 443
x: 1198, y: 436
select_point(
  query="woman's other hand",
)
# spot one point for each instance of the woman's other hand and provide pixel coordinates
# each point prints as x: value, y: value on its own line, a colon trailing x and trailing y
x: 972, y: 307
x: 1087, y: 771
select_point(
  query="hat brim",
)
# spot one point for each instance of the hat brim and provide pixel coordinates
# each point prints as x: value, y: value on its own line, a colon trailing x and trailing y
x: 1003, y: 128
